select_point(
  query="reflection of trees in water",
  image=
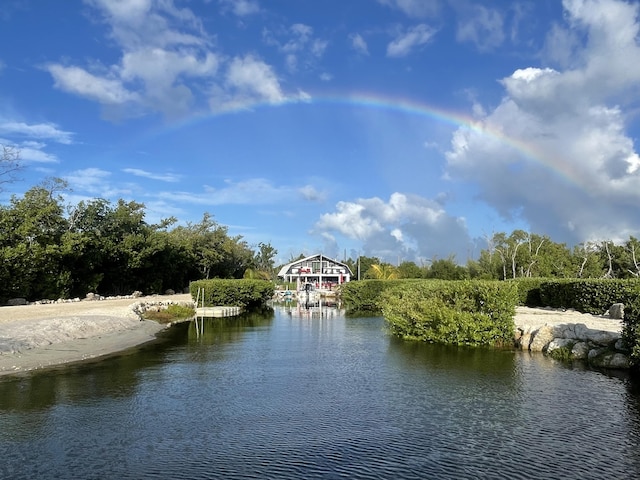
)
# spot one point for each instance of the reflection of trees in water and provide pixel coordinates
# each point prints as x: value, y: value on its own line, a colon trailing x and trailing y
x: 220, y: 330
x: 114, y: 376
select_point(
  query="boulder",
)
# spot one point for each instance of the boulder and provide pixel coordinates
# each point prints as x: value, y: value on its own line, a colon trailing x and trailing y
x: 580, y: 350
x: 616, y: 311
x: 541, y: 338
x: 559, y: 343
x: 604, y: 358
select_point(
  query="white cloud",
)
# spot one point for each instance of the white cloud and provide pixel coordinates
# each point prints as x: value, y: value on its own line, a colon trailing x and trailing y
x: 80, y: 82
x: 359, y: 44
x: 241, y: 8
x: 90, y: 180
x: 413, y: 225
x: 482, y: 26
x: 165, y: 177
x: 49, y: 131
x: 300, y: 47
x: 164, y: 53
x: 414, y: 8
x: 408, y: 40
x: 254, y: 191
x: 312, y: 194
x: 248, y: 80
x: 570, y: 167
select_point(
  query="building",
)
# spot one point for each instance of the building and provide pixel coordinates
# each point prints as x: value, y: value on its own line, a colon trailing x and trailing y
x: 321, y: 271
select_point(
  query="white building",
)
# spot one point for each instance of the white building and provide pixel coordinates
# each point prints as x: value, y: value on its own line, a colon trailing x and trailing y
x: 321, y: 271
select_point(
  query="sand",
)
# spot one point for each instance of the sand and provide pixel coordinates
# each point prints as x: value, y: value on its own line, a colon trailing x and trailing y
x: 34, y: 337
x: 40, y: 336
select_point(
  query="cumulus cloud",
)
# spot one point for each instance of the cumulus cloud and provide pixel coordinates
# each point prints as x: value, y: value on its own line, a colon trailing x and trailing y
x: 408, y: 40
x: 569, y: 166
x: 409, y: 224
x: 169, y: 63
x: 248, y: 80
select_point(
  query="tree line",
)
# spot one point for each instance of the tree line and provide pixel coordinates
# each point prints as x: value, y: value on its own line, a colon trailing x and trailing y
x: 519, y: 254
x: 49, y: 250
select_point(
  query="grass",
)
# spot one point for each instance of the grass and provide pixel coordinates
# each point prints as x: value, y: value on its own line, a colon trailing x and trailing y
x: 170, y: 314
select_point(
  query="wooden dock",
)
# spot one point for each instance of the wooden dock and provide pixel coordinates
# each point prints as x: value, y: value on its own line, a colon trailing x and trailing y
x: 218, y: 311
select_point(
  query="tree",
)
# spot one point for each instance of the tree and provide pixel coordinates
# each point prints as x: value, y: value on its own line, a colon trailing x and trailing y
x: 10, y: 164
x: 31, y: 229
x: 410, y: 270
x: 263, y: 260
x: 447, y: 269
x: 382, y: 271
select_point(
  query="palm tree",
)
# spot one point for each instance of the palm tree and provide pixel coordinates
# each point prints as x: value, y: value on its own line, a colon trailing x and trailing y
x: 383, y: 271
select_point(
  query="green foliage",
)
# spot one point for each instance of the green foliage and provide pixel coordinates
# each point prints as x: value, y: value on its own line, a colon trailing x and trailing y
x: 363, y: 296
x: 452, y: 312
x: 171, y: 313
x: 447, y: 269
x: 244, y: 293
x: 103, y: 248
x: 529, y: 291
x: 563, y: 354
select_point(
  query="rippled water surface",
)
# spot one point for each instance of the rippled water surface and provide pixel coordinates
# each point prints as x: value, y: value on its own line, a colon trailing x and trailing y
x: 300, y: 394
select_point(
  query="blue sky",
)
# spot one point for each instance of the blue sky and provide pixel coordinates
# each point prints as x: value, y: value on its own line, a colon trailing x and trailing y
x: 403, y: 129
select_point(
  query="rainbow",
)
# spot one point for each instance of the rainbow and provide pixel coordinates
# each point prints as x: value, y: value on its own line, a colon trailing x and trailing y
x: 399, y: 105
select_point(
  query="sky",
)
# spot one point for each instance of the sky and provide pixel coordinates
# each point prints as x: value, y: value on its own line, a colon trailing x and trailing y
x: 408, y: 130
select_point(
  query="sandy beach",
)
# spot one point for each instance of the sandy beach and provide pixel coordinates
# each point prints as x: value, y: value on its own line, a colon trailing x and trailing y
x: 39, y: 336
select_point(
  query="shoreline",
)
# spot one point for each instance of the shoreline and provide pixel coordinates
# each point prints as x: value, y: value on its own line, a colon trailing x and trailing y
x: 40, y: 336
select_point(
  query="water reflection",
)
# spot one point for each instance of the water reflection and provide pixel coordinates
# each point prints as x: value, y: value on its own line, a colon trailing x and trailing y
x: 297, y: 392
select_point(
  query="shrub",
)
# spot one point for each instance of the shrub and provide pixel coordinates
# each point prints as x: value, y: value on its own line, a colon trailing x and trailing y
x: 452, y: 312
x: 245, y: 293
x: 169, y: 314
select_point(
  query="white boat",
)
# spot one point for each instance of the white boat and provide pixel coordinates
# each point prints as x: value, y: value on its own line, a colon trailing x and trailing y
x: 308, y: 294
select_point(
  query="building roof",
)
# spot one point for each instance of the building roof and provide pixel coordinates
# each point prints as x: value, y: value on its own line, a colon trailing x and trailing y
x: 285, y: 269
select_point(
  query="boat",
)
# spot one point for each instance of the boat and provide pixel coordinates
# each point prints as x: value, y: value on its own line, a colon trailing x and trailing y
x: 308, y: 294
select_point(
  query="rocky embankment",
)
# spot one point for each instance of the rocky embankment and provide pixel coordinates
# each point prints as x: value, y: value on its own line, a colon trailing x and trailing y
x: 572, y: 335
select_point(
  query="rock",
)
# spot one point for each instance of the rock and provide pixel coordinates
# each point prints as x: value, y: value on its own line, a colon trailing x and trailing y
x: 91, y: 296
x: 620, y: 346
x: 541, y: 338
x: 16, y: 301
x: 136, y: 294
x: 616, y: 311
x: 604, y: 358
x: 170, y: 292
x: 559, y: 343
x: 580, y: 350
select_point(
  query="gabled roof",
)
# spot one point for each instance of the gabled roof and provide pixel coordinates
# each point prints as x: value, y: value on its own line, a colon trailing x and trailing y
x: 283, y: 271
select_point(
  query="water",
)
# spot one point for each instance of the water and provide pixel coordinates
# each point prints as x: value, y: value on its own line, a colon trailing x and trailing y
x: 303, y: 394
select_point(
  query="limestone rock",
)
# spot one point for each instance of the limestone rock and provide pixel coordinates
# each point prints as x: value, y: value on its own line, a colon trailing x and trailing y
x: 604, y: 358
x: 541, y: 338
x: 616, y: 311
x: 559, y: 343
x: 580, y: 350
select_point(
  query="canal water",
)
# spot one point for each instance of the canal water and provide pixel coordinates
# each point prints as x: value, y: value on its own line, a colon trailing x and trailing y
x: 301, y: 393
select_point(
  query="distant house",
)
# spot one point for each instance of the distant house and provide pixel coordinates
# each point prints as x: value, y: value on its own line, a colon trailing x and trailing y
x: 323, y: 272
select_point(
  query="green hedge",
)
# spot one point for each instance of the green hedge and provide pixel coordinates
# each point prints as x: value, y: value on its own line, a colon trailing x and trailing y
x: 529, y: 291
x: 244, y: 293
x: 452, y: 312
x: 362, y: 296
